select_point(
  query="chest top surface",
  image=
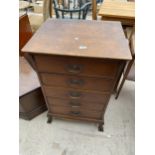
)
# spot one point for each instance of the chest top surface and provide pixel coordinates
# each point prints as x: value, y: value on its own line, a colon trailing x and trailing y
x: 83, y: 38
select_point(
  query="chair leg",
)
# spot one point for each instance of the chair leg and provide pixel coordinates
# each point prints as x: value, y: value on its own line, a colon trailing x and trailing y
x: 120, y: 87
x: 124, y: 78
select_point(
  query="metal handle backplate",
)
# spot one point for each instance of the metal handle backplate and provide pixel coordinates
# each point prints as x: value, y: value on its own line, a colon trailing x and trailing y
x: 74, y: 68
x: 75, y: 113
x: 74, y: 94
x: 75, y: 82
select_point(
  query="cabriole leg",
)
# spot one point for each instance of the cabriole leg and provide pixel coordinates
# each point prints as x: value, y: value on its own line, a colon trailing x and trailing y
x: 100, y: 127
x: 49, y: 120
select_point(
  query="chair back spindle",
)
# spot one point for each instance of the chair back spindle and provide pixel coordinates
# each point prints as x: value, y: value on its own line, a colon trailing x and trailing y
x: 71, y: 8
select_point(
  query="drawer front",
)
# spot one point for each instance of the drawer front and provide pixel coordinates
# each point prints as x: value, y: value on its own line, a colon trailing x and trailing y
x: 75, y: 112
x: 77, y: 66
x: 98, y: 84
x: 66, y: 93
x: 93, y: 106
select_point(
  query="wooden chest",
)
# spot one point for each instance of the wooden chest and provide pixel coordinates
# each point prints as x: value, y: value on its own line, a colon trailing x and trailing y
x: 78, y: 64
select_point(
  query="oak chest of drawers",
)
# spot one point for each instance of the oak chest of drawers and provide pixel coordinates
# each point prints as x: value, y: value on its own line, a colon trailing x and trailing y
x: 78, y: 63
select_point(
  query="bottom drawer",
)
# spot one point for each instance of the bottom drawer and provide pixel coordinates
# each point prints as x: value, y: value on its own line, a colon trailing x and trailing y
x: 76, y: 112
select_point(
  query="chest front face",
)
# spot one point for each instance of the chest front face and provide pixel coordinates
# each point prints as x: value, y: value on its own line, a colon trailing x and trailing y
x: 78, y: 71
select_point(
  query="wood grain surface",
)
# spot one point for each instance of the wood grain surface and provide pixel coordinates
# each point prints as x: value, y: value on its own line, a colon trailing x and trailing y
x: 82, y: 38
x: 118, y: 9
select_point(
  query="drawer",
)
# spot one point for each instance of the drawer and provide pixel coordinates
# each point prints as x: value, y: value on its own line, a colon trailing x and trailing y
x: 74, y: 66
x: 75, y: 112
x: 79, y: 82
x: 67, y: 93
x: 76, y: 103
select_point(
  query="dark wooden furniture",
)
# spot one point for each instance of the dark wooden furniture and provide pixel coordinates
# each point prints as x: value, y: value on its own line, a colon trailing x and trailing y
x: 25, y: 32
x: 31, y: 100
x: 130, y: 63
x: 71, y: 9
x: 31, y: 104
x: 78, y: 67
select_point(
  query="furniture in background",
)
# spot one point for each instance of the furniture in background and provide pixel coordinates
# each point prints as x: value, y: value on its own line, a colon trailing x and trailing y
x: 94, y: 8
x: 131, y: 38
x: 31, y: 100
x: 131, y: 31
x: 78, y: 70
x: 24, y: 5
x: 118, y: 11
x: 71, y: 9
x: 25, y: 32
x: 41, y: 11
x: 38, y: 16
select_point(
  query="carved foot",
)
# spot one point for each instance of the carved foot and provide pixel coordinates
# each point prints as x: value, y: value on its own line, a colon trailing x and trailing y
x: 100, y: 127
x: 49, y: 120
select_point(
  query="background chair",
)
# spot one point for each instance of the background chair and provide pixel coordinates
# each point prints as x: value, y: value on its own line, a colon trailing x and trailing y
x: 71, y: 8
x: 130, y: 66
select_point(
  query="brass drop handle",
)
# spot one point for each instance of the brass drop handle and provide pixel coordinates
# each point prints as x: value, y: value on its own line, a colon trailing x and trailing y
x: 75, y: 112
x: 75, y: 95
x: 76, y: 82
x: 74, y: 68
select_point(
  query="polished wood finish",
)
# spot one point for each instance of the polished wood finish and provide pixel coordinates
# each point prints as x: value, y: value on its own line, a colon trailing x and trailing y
x: 76, y: 112
x: 25, y: 32
x: 118, y: 11
x: 73, y: 81
x: 81, y: 38
x: 73, y: 65
x: 75, y: 94
x: 31, y: 104
x: 87, y: 105
x: 77, y: 84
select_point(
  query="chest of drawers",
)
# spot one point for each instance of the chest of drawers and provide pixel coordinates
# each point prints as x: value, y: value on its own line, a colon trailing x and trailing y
x: 77, y: 82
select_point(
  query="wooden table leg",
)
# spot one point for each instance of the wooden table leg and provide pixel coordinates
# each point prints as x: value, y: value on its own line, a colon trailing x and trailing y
x: 119, y: 76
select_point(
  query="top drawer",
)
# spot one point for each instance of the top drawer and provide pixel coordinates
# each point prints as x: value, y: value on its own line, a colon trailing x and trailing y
x: 74, y: 66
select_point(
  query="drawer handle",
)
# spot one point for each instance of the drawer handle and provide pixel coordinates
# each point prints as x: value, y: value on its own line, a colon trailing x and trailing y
x: 75, y: 112
x: 76, y: 82
x: 75, y: 104
x: 75, y: 95
x: 74, y: 68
